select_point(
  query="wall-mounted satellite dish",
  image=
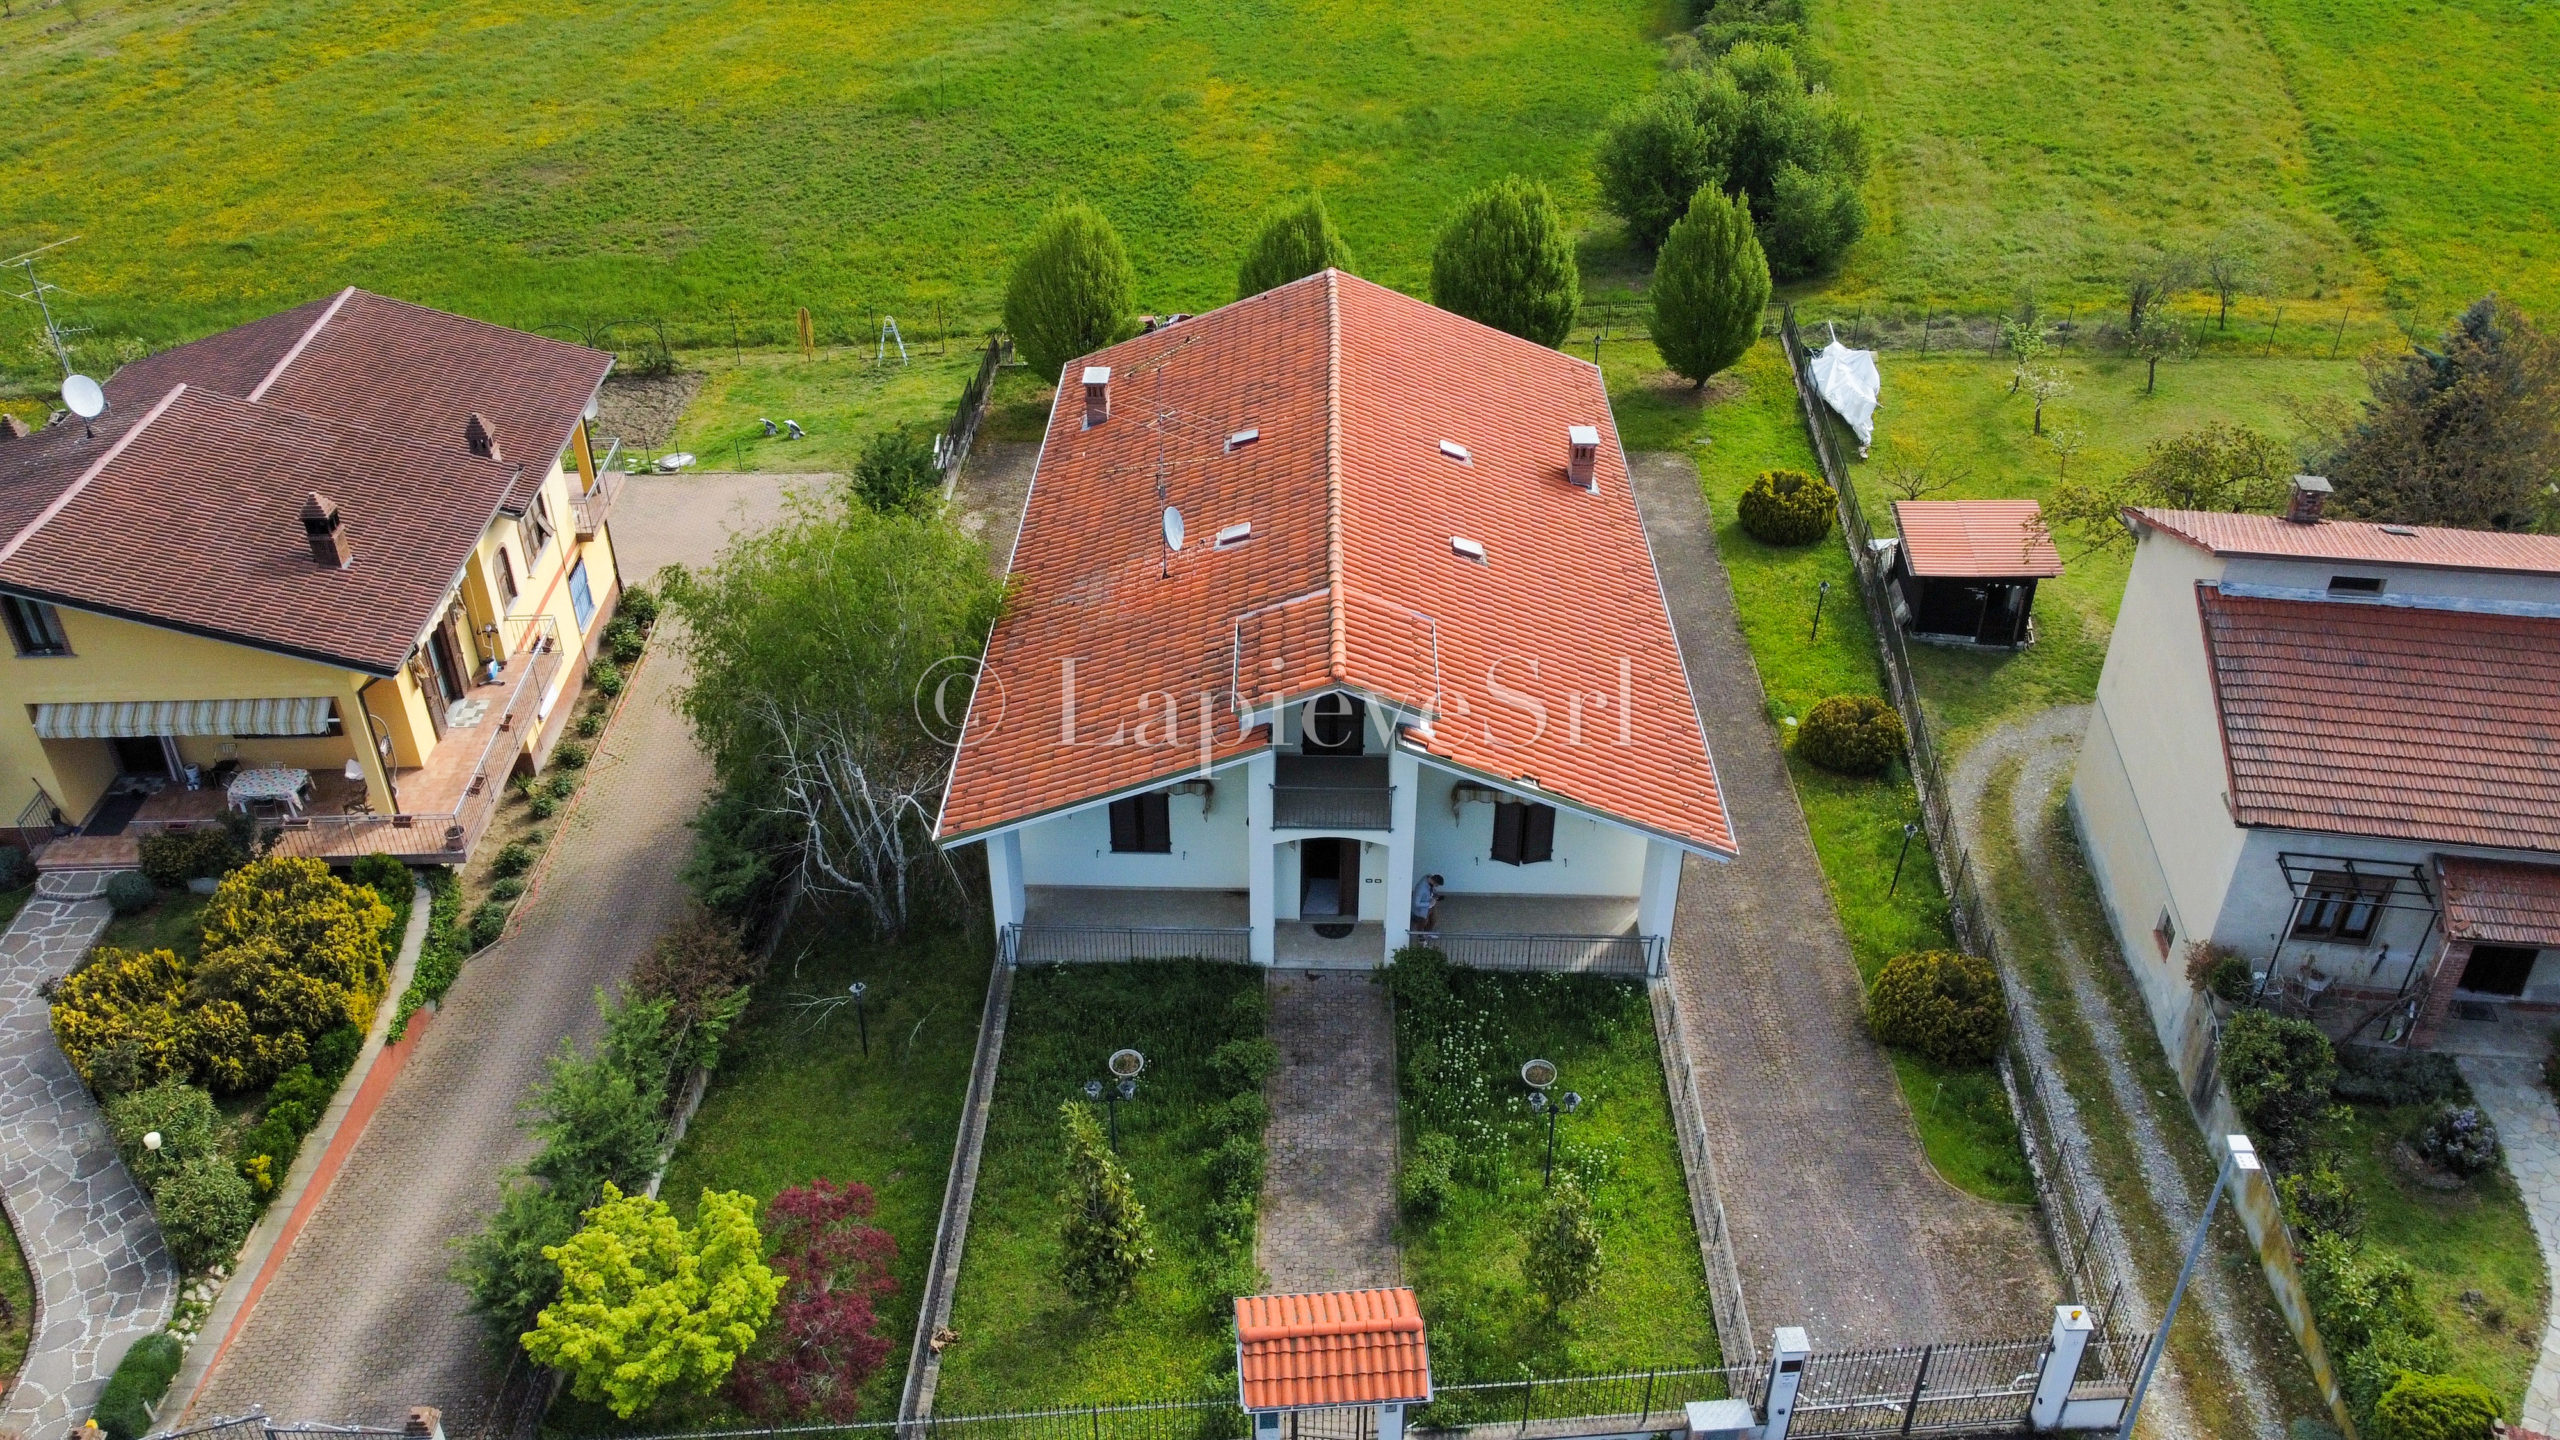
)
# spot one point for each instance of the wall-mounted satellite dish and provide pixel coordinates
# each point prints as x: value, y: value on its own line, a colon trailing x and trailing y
x: 84, y: 397
x: 1172, y: 528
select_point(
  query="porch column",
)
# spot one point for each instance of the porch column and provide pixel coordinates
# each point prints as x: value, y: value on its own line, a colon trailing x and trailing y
x: 1661, y: 894
x: 1405, y: 775
x: 1260, y: 773
x: 2446, y: 973
x: 1004, y: 878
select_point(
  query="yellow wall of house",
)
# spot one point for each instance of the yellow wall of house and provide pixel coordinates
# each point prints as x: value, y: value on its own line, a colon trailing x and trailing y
x: 114, y: 660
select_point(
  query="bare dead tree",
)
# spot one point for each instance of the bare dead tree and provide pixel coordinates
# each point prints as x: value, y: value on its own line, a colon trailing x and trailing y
x: 1917, y: 475
x: 865, y: 812
x: 2229, y: 274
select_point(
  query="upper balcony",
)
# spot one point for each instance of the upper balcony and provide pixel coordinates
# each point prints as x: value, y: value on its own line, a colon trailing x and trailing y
x: 1332, y: 792
x: 596, y: 502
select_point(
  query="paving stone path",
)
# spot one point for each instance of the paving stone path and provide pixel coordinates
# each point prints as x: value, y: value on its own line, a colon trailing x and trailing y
x: 1838, y: 1222
x: 2529, y: 1126
x: 362, y: 1319
x: 102, y: 1279
x: 1329, y: 1184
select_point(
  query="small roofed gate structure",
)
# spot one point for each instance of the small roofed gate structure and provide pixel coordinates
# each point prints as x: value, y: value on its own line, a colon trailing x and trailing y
x: 1965, y: 571
x: 1336, y: 1365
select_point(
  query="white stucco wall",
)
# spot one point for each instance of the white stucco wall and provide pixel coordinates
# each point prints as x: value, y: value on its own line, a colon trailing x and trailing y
x: 1208, y: 849
x: 1592, y: 857
x: 2132, y: 882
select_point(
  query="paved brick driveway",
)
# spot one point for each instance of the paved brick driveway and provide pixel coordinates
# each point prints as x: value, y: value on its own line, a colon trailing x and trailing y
x: 1329, y: 1187
x: 361, y: 1320
x: 1838, y: 1222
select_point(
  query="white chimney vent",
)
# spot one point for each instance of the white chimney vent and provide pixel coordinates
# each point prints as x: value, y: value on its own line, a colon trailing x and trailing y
x: 1241, y: 439
x: 1097, y: 395
x: 1467, y: 549
x: 1585, y: 467
x: 1457, y: 452
x: 1235, y: 534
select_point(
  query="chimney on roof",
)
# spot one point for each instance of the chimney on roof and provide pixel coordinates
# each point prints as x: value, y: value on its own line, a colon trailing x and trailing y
x: 482, y: 441
x: 13, y: 428
x: 1097, y: 395
x: 1585, y: 467
x: 2310, y: 496
x: 325, y: 528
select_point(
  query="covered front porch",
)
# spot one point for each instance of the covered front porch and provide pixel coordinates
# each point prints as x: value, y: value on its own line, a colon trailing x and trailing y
x: 1074, y: 924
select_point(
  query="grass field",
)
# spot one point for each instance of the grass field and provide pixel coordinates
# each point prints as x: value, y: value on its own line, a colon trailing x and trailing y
x: 1650, y: 1308
x: 1024, y: 1342
x: 796, y: 1099
x: 841, y: 400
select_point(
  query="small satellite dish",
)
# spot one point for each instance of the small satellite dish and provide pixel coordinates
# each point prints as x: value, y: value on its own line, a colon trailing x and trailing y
x: 1172, y: 528
x: 84, y: 397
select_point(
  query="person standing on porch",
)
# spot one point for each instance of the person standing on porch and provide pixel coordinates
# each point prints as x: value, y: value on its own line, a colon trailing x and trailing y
x: 1426, y: 902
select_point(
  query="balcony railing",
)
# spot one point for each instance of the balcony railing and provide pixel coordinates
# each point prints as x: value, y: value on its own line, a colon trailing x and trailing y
x: 1104, y: 944
x: 1636, y: 955
x: 1333, y: 807
x: 592, y: 507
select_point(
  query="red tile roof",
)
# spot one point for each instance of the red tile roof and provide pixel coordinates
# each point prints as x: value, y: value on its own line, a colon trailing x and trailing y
x: 1341, y: 1347
x: 183, y: 509
x: 1349, y: 578
x: 2436, y: 726
x: 2499, y: 902
x: 2273, y: 537
x: 1984, y: 539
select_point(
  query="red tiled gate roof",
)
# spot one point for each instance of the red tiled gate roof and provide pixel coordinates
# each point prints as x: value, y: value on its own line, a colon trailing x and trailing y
x: 1339, y: 1347
x: 2435, y: 726
x: 1349, y: 579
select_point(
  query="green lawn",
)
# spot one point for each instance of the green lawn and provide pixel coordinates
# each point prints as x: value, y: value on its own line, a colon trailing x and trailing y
x: 175, y: 923
x: 1650, y: 1308
x: 13, y: 901
x: 840, y: 398
x: 18, y: 1293
x: 1024, y: 1343
x: 796, y: 1099
x: 1957, y: 415
x: 2474, y: 1241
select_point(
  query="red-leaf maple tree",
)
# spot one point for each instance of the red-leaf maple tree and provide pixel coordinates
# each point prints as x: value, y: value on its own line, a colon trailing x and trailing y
x: 824, y: 1340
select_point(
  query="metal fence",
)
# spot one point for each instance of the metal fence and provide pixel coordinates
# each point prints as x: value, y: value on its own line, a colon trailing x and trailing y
x: 257, y: 1426
x: 2075, y: 1222
x: 1629, y: 1401
x: 1635, y: 956
x: 951, y: 447
x: 1328, y: 807
x: 1927, y: 1390
x: 1103, y: 944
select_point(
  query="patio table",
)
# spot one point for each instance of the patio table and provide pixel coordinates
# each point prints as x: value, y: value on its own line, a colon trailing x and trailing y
x: 275, y: 782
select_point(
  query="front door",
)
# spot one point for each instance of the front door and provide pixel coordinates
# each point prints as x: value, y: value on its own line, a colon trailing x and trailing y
x: 2498, y: 969
x: 141, y: 755
x: 447, y: 655
x: 1329, y: 879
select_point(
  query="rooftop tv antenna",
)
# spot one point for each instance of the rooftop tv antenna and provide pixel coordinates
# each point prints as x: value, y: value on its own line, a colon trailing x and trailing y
x: 35, y: 294
x: 1172, y: 540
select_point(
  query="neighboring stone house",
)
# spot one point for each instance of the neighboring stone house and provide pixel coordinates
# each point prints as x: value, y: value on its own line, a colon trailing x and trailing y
x: 2333, y: 747
x: 1409, y: 625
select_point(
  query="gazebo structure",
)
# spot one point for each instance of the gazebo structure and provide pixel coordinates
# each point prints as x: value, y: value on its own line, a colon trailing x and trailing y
x: 1964, y: 571
x: 1357, y: 1355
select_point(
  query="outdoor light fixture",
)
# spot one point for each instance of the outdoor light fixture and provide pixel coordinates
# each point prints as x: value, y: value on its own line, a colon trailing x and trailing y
x: 1818, y: 597
x: 1540, y: 1074
x: 2240, y: 1157
x: 1909, y: 829
x: 862, y: 1021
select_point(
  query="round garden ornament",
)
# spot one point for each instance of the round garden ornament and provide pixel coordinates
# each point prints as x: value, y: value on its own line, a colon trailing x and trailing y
x: 1538, y: 1074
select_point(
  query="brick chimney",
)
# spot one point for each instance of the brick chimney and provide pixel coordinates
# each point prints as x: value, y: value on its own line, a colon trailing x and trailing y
x: 326, y: 529
x: 1097, y: 395
x: 426, y: 1422
x: 2310, y: 496
x: 482, y: 441
x: 13, y: 428
x: 1585, y: 448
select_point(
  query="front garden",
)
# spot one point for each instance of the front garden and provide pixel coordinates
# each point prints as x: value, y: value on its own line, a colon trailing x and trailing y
x: 1502, y: 1260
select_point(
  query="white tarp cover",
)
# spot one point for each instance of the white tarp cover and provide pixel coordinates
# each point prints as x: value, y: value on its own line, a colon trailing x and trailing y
x: 1848, y: 382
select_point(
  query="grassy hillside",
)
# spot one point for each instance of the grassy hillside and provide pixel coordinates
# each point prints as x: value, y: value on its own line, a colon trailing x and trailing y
x: 583, y: 160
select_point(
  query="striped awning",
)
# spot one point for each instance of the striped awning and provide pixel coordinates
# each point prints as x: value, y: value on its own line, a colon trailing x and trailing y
x: 113, y: 719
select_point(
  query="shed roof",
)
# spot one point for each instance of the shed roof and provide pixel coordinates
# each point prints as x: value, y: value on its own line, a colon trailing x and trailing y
x: 1976, y: 539
x: 2500, y: 902
x: 1337, y: 1347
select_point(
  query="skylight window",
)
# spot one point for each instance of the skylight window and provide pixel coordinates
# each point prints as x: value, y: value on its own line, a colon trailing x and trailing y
x: 1467, y: 549
x: 1457, y: 452
x: 1235, y: 535
x: 2401, y: 530
x: 1241, y: 439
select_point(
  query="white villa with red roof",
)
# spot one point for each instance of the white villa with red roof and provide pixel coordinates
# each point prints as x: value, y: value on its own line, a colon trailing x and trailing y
x: 1411, y: 627
x: 2334, y: 747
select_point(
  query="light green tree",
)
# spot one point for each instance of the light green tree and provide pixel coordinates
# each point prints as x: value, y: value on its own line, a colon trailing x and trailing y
x: 1709, y: 287
x: 1069, y: 291
x: 1105, y: 1235
x: 2024, y: 340
x: 1563, y: 1263
x: 1295, y: 241
x: 1506, y: 260
x: 2158, y: 336
x: 648, y: 1306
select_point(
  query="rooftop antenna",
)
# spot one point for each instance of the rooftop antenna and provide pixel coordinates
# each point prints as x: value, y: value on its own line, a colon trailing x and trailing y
x: 36, y: 292
x: 1172, y: 541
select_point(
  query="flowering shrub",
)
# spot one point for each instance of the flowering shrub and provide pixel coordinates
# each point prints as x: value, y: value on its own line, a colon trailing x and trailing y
x: 1947, y: 1006
x: 118, y: 1018
x: 2460, y: 1139
x: 824, y: 1340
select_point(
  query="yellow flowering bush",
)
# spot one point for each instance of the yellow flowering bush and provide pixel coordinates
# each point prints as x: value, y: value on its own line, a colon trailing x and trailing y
x: 120, y: 1015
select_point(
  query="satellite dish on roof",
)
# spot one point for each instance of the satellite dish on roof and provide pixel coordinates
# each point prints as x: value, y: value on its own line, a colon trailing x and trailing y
x: 84, y: 397
x: 1172, y: 528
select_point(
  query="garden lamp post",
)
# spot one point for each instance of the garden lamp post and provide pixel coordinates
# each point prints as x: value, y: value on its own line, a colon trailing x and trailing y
x: 1819, y: 595
x: 1909, y: 829
x: 1564, y: 1105
x: 1125, y: 1064
x: 861, y: 1021
x: 2239, y: 1156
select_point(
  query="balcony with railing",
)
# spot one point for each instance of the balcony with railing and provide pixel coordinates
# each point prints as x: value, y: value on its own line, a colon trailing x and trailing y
x: 592, y: 506
x: 1332, y: 792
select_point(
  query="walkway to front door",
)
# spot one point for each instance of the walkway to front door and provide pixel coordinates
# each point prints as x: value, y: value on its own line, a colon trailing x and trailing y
x: 1329, y: 1186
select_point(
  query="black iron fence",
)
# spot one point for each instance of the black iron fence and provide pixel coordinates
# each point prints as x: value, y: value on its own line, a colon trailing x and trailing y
x: 1927, y: 1390
x: 2078, y: 1224
x: 1635, y: 956
x: 1629, y: 1401
x: 951, y: 447
x: 1327, y: 807
x: 1104, y: 944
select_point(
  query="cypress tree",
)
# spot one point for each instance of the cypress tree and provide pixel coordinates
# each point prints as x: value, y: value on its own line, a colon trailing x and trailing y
x: 1505, y: 260
x: 1296, y: 240
x: 1709, y: 287
x: 1069, y: 291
